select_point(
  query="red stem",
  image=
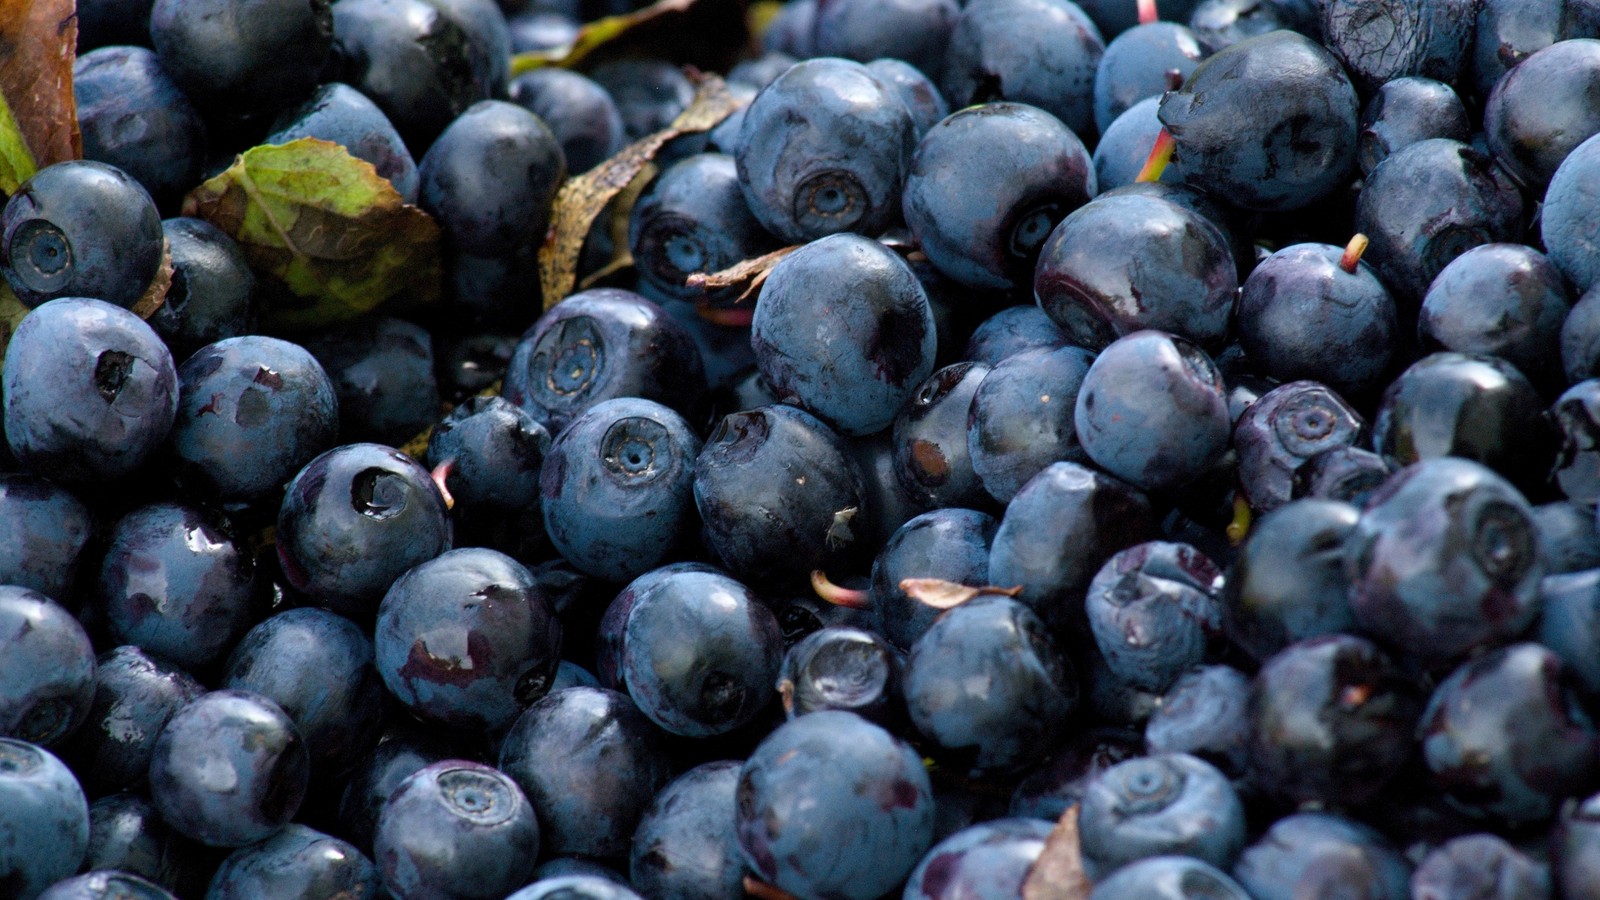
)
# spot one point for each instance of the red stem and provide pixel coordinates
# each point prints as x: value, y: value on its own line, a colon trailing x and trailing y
x: 1160, y: 155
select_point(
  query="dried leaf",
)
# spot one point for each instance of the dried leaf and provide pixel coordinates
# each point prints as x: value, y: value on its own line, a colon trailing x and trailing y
x: 38, y: 45
x: 11, y: 312
x: 941, y: 594
x: 752, y: 273
x: 1058, y: 872
x: 156, y: 293
x: 583, y: 198
x: 595, y: 35
x: 326, y: 228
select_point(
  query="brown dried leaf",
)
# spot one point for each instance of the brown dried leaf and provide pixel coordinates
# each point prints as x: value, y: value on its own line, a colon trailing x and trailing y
x: 156, y: 294
x: 38, y: 45
x: 595, y: 35
x: 752, y: 273
x: 1058, y: 872
x: 941, y: 594
x: 583, y: 198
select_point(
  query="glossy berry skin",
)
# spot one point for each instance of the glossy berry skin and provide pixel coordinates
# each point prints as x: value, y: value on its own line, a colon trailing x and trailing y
x: 296, y: 862
x: 1282, y: 430
x: 402, y: 753
x: 134, y: 696
x: 1153, y: 612
x: 1171, y: 803
x: 1020, y: 418
x: 44, y: 819
x: 1057, y: 532
x: 1204, y: 714
x: 590, y: 763
x: 987, y: 859
x: 1569, y: 623
x: 700, y: 653
x: 1289, y: 582
x: 339, y: 113
x: 489, y: 179
x: 989, y: 685
x: 1405, y: 110
x: 1389, y: 39
x: 229, y: 769
x: 599, y: 344
x: 824, y: 775
x: 456, y: 829
x: 133, y: 116
x: 579, y: 112
x: 1510, y: 31
x: 127, y: 834
x: 685, y: 845
x: 106, y: 886
x: 1506, y: 300
x: 1331, y: 721
x: 1535, y: 117
x: 1576, y: 414
x: 1168, y: 878
x: 251, y: 411
x: 1152, y: 411
x: 844, y: 331
x: 1480, y: 865
x: 1313, y: 853
x: 1136, y: 66
x: 353, y: 520
x: 495, y: 450
x: 1575, y: 849
x: 1012, y: 330
x: 614, y: 621
x: 916, y: 89
x: 649, y: 92
x: 1125, y: 145
x: 44, y: 529
x: 617, y: 488
x: 1568, y: 225
x: 1039, y: 52
x: 949, y: 543
x: 1058, y: 782
x: 177, y: 583
x: 467, y: 640
x: 1302, y: 316
x: 213, y: 292
x: 839, y: 667
x: 823, y: 149
x: 1030, y: 171
x: 1444, y: 560
x: 317, y: 666
x: 382, y: 370
x: 1473, y: 406
x: 694, y: 219
x: 239, y: 60
x: 90, y: 391
x: 778, y: 495
x: 1428, y: 203
x: 1568, y: 541
x: 1346, y: 474
x: 913, y: 30
x: 1280, y: 158
x: 575, y: 887
x: 80, y: 229
x: 1131, y: 261
x: 47, y: 668
x: 1504, y: 736
x: 1222, y: 23
x: 931, y: 461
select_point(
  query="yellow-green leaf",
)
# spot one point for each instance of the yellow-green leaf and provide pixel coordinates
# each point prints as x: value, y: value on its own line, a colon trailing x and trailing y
x: 324, y: 228
x: 595, y: 35
x: 16, y: 162
x: 11, y: 313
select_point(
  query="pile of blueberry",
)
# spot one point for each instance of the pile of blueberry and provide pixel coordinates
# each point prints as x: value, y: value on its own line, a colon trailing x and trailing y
x: 1175, y: 420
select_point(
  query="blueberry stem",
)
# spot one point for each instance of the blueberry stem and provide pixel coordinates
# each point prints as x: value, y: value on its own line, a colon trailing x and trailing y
x: 849, y: 598
x: 1160, y: 155
x: 1148, y: 12
x: 1352, y: 253
x: 440, y: 473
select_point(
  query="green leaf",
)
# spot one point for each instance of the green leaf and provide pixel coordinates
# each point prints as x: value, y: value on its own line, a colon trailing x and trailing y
x: 325, y: 229
x: 595, y: 35
x: 11, y: 313
x: 16, y: 162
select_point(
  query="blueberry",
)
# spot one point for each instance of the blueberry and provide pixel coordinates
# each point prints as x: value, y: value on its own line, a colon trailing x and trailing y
x: 489, y: 179
x: 1153, y: 612
x: 1204, y: 714
x: 492, y: 452
x: 1538, y: 112
x: 844, y: 331
x: 988, y: 683
x: 1577, y: 418
x: 106, y: 886
x: 467, y: 640
x: 1322, y: 854
x: 134, y: 696
x: 949, y: 543
x: 1222, y: 23
x: 456, y: 829
x: 824, y: 149
x: 46, y: 530
x: 685, y: 845
x: 1480, y: 865
x: 127, y: 834
x: 575, y: 887
x: 916, y: 89
x: 1138, y: 64
x: 820, y: 777
x: 1568, y: 540
x: 296, y: 862
x: 1569, y: 623
x: 1289, y: 582
x: 1151, y: 410
x: 1021, y: 418
x: 989, y: 859
x: 590, y: 763
x: 1346, y: 474
x: 242, y: 59
x: 1380, y: 41
x: 383, y: 373
x: 90, y: 391
x: 845, y: 668
x: 579, y: 112
x: 176, y: 582
x: 44, y: 819
x: 1058, y: 782
x: 1507, y: 300
x: 229, y: 769
x: 1509, y: 31
x: 649, y: 93
x: 370, y: 783
x: 1040, y: 52
x: 353, y: 520
x: 931, y: 461
x: 1279, y: 156
x: 133, y: 116
x: 1405, y: 110
x: 1029, y: 170
x: 341, y: 114
x: 1168, y: 878
x: 693, y: 219
x: 1010, y: 331
x: 1125, y: 146
x: 1282, y: 430
x: 1129, y: 262
x: 213, y: 292
x: 863, y: 30
x: 1331, y: 721
x: 1575, y: 849
x: 1169, y: 804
